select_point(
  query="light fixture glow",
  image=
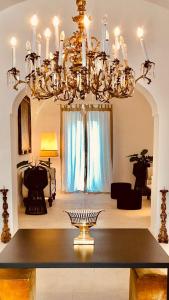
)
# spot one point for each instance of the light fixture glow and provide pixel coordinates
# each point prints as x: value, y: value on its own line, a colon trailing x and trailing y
x: 117, y: 31
x: 51, y: 56
x: 62, y: 36
x: 48, y: 145
x: 140, y: 32
x: 86, y: 21
x: 56, y: 21
x: 47, y: 33
x: 13, y: 41
x: 34, y: 21
x: 107, y: 35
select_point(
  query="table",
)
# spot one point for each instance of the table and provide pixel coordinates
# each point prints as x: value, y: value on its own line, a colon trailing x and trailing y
x: 114, y: 248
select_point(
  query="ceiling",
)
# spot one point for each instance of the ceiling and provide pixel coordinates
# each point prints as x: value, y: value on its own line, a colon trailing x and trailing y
x: 164, y: 3
x: 6, y: 3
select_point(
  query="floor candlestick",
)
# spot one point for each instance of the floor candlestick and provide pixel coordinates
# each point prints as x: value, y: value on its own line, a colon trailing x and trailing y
x: 6, y: 235
x: 163, y: 236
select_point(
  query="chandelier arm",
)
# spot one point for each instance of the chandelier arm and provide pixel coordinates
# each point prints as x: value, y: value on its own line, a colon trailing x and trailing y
x: 17, y: 84
x: 146, y: 67
x: 144, y: 77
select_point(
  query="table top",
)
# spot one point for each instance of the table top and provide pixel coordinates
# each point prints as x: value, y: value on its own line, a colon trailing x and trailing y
x: 53, y: 248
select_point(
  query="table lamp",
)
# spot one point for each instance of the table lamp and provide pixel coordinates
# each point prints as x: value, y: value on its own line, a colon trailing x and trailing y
x: 49, y: 147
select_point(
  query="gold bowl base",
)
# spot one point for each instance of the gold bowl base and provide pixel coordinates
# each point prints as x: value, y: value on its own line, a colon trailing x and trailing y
x: 84, y: 237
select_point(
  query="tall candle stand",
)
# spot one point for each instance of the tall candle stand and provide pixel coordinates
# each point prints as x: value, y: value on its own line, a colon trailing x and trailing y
x: 6, y: 235
x: 163, y: 236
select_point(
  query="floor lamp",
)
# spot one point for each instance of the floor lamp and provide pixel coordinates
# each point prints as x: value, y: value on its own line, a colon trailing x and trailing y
x: 49, y: 148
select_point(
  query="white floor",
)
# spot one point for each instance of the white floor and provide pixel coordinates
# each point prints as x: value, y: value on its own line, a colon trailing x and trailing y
x: 110, y: 218
x: 85, y: 284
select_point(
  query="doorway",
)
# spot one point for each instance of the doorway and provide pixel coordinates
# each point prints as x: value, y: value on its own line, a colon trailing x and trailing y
x: 46, y: 116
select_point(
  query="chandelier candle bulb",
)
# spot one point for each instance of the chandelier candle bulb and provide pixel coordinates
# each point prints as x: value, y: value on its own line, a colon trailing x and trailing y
x: 107, y: 36
x: 13, y: 44
x: 28, y: 47
x: 117, y: 42
x: 80, y: 82
x: 140, y: 34
x: 99, y: 66
x: 84, y: 52
x: 62, y: 37
x: 47, y: 35
x: 107, y: 42
x: 87, y: 27
x: 56, y: 26
x: 115, y: 52
x: 28, y: 65
x: 125, y: 56
x: 104, y: 30
x: 123, y: 48
x: 34, y: 23
x: 39, y: 48
x: 34, y: 39
x: 51, y: 57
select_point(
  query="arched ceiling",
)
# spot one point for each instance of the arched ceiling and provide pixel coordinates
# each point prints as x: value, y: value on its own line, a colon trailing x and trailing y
x: 163, y: 3
x: 7, y: 3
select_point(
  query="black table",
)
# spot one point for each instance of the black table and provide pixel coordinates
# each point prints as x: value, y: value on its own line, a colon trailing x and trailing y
x: 114, y: 248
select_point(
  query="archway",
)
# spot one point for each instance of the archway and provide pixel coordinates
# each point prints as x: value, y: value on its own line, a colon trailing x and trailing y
x: 155, y: 114
x: 14, y: 148
x: 14, y: 155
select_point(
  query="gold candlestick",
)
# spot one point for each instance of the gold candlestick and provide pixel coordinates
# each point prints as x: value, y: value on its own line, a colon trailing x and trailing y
x: 163, y: 236
x: 6, y: 235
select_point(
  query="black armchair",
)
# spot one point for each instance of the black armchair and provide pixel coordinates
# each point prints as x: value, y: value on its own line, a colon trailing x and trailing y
x: 35, y: 179
x: 127, y: 198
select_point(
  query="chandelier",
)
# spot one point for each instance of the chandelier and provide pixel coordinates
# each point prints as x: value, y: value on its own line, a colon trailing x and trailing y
x: 80, y: 64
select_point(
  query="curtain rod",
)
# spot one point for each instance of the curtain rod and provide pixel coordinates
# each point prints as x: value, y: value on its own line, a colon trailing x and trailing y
x: 88, y: 107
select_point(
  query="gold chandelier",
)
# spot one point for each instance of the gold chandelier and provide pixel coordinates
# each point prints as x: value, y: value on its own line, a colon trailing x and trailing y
x: 80, y: 64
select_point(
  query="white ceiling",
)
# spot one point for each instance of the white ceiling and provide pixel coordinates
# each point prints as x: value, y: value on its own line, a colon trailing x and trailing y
x: 164, y: 3
x: 6, y: 3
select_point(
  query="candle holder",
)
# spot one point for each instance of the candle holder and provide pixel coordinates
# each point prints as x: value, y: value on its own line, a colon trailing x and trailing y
x: 83, y: 220
x: 163, y: 236
x: 6, y: 235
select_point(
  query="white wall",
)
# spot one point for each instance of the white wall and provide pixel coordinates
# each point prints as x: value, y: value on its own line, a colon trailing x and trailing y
x: 46, y: 118
x: 132, y: 132
x: 15, y: 20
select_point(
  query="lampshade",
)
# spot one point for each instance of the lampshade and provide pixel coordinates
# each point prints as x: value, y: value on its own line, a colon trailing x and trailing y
x: 49, y: 147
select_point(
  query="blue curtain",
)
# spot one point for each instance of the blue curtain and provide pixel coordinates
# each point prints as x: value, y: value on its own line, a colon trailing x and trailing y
x: 73, y: 152
x: 99, y: 163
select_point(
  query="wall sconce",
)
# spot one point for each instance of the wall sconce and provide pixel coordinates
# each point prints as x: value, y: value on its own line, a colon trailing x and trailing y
x: 49, y: 147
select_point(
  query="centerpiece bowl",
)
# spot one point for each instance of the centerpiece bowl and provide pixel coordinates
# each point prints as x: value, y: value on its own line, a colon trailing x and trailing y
x: 83, y: 219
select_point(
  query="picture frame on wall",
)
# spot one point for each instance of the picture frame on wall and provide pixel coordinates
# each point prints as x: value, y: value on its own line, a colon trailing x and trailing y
x: 24, y: 127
